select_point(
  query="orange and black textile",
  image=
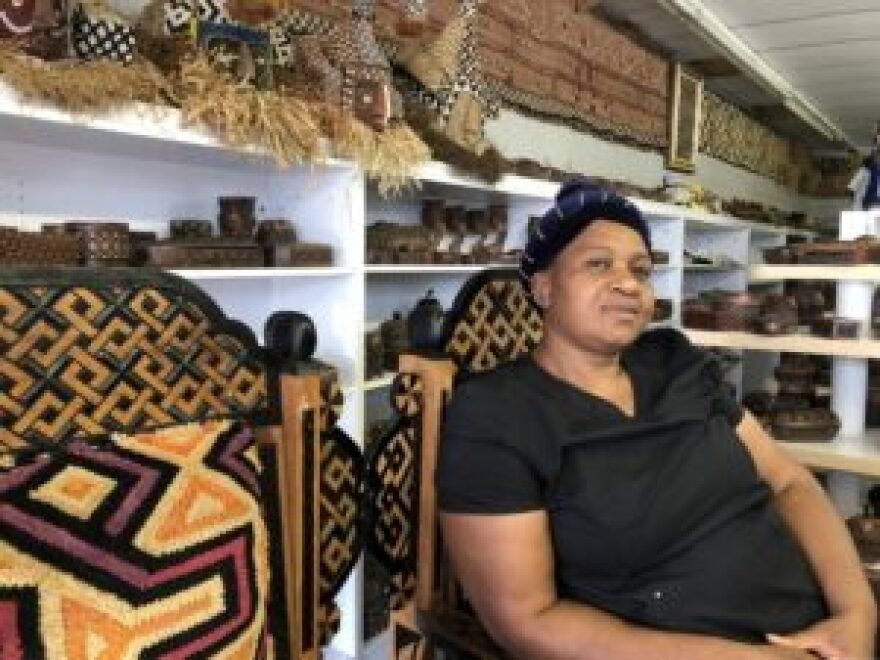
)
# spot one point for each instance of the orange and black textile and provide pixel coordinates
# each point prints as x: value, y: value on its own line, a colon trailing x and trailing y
x: 342, y: 470
x: 493, y: 320
x: 87, y: 352
x: 393, y: 487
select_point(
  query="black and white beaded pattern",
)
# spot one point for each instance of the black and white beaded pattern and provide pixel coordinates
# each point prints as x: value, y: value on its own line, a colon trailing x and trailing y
x: 179, y: 13
x: 102, y: 39
x: 282, y: 45
x: 299, y: 23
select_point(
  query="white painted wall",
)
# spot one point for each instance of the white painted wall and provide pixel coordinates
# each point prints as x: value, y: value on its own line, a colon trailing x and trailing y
x: 825, y: 210
x: 518, y: 136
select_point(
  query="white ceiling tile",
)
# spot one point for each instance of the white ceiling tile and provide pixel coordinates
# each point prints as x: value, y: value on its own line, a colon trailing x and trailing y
x: 822, y: 55
x: 811, y: 31
x: 736, y: 14
x: 852, y: 74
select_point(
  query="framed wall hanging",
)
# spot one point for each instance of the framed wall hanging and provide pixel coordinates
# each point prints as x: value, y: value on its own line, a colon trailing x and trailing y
x: 685, y: 99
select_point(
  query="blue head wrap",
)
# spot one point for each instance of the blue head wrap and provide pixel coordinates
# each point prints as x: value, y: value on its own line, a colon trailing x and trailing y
x: 578, y: 203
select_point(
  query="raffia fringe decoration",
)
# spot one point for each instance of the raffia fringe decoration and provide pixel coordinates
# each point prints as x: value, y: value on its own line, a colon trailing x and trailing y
x: 391, y: 157
x: 399, y: 153
x: 490, y: 166
x: 241, y: 116
x: 83, y: 88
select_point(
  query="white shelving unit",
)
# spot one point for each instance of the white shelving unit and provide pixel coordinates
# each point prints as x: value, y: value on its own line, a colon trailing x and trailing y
x: 201, y: 274
x: 855, y: 454
x: 380, y: 382
x: 143, y: 168
x: 846, y: 348
x: 769, y: 273
x: 428, y: 269
x: 859, y: 457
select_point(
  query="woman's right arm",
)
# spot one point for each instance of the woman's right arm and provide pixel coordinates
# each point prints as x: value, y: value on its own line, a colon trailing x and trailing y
x: 505, y: 565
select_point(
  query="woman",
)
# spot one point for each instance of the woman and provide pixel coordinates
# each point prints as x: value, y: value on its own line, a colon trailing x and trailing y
x: 607, y: 498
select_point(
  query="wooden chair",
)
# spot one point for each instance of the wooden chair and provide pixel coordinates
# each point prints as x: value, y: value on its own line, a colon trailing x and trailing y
x: 88, y: 352
x: 492, y: 321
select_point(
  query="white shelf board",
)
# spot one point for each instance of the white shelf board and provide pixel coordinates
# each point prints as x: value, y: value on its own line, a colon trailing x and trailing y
x: 773, y: 273
x: 260, y: 273
x: 510, y: 184
x: 713, y: 220
x: 380, y: 382
x: 860, y: 457
x: 403, y: 269
x: 854, y: 348
x: 140, y: 128
x: 711, y: 268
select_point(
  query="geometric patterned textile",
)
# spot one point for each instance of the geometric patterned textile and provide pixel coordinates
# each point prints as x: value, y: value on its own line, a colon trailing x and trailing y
x: 102, y: 38
x: 145, y: 546
x: 406, y: 394
x: 179, y: 13
x: 493, y: 320
x: 393, y: 488
x: 83, y: 355
x: 342, y: 469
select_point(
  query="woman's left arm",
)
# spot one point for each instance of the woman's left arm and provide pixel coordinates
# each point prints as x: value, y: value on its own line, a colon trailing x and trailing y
x: 819, y: 530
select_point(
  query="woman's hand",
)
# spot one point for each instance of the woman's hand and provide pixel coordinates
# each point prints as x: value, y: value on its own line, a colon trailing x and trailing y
x: 778, y: 652
x: 847, y: 636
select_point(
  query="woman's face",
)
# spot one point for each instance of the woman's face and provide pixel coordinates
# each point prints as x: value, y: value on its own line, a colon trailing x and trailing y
x: 597, y: 293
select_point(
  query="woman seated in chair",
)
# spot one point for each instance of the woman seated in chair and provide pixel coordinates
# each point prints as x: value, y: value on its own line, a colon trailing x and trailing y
x: 606, y: 497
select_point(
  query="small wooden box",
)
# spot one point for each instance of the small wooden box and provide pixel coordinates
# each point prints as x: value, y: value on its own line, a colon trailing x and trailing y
x: 291, y: 255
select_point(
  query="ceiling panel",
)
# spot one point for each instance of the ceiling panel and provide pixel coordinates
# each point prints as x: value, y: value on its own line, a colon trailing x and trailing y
x: 840, y: 28
x: 856, y: 75
x: 822, y: 55
x: 868, y: 97
x: 740, y: 13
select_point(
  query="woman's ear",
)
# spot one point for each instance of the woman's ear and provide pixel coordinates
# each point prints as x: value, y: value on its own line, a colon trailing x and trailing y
x: 540, y: 286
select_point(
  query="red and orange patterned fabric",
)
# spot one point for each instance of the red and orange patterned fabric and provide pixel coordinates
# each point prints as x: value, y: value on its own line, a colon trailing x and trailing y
x: 146, y: 546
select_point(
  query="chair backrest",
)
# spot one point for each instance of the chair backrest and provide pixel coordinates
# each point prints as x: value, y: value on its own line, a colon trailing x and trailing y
x: 492, y: 321
x: 87, y: 352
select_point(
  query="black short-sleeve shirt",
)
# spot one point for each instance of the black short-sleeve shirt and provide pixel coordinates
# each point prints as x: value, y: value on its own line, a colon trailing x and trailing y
x: 660, y: 518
